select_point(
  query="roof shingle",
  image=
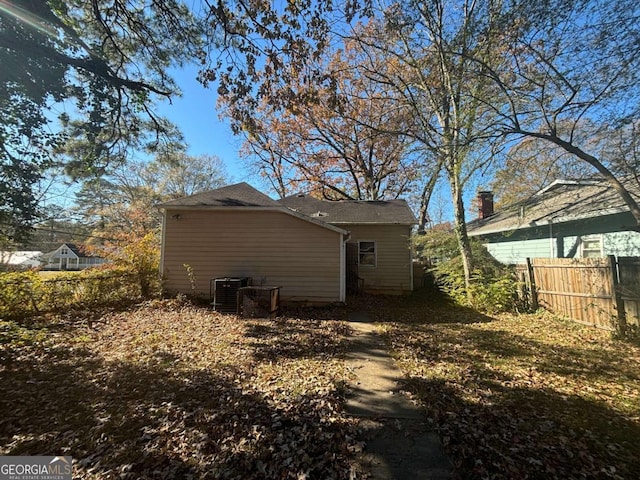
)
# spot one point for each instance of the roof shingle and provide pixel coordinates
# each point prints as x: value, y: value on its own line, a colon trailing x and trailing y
x: 562, y: 201
x: 238, y: 195
x: 352, y: 211
x: 324, y: 211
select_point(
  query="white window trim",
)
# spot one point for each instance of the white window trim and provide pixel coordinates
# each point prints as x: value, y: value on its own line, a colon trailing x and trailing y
x: 375, y: 254
x: 587, y: 238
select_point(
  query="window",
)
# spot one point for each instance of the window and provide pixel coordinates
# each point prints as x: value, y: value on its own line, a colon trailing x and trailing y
x: 64, y: 251
x: 591, y: 246
x: 367, y: 254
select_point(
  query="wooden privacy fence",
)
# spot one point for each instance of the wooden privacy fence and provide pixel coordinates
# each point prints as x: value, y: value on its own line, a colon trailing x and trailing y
x: 594, y: 291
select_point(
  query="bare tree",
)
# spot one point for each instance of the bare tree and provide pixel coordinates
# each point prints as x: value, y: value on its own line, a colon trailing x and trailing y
x: 569, y: 77
x: 433, y: 42
x: 343, y: 139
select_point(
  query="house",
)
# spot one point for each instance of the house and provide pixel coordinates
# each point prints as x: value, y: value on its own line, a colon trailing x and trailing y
x: 567, y: 219
x: 69, y: 256
x: 20, y: 260
x: 379, y: 238
x: 311, y: 248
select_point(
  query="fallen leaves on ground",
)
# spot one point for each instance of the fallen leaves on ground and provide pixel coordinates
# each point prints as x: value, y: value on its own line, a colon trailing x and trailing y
x: 169, y: 390
x: 528, y: 396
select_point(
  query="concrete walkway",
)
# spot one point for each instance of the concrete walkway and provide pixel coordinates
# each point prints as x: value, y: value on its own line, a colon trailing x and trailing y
x: 399, y: 444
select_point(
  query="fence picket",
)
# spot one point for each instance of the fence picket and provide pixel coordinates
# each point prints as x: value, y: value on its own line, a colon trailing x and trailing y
x: 585, y: 290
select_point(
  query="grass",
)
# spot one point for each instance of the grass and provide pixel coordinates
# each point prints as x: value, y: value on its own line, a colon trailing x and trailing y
x: 170, y: 390
x: 520, y: 396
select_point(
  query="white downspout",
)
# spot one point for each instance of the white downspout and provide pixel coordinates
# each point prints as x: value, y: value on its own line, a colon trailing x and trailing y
x: 552, y: 247
x: 343, y: 271
x: 164, y: 230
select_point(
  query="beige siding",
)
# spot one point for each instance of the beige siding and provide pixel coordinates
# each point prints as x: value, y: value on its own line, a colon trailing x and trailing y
x: 392, y: 273
x: 268, y: 246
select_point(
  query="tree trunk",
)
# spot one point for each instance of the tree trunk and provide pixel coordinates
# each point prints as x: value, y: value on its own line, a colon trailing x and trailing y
x: 461, y: 231
x: 425, y: 198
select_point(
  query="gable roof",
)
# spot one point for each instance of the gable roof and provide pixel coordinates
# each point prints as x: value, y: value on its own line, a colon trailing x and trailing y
x: 561, y: 201
x: 322, y: 212
x: 73, y: 248
x: 352, y: 211
x: 238, y: 195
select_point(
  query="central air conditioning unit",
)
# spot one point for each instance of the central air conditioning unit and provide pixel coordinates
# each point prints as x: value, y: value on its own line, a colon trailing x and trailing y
x: 224, y: 293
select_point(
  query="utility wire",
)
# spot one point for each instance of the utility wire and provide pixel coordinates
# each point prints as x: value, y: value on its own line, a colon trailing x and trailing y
x: 86, y: 235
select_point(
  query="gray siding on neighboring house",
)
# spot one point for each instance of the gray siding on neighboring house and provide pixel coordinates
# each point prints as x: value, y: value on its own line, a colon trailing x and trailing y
x: 516, y: 252
x: 301, y: 257
x: 392, y: 273
x: 623, y: 244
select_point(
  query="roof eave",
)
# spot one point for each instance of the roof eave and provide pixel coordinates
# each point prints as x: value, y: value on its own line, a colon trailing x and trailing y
x: 253, y: 208
x: 373, y: 223
x: 546, y: 221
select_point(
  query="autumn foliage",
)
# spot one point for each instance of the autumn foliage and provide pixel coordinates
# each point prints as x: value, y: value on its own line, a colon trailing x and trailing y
x: 25, y: 294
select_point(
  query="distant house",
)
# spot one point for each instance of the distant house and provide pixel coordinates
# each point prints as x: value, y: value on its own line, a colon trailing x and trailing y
x: 313, y: 249
x: 69, y: 256
x: 20, y: 260
x: 567, y: 219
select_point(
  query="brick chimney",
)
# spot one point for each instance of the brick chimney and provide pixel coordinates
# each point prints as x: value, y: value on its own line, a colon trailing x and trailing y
x: 485, y: 204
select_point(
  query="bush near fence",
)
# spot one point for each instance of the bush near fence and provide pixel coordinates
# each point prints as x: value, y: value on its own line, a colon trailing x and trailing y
x: 27, y: 293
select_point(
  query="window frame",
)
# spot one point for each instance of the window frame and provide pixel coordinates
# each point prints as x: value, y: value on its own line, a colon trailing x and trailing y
x: 361, y: 253
x: 592, y: 238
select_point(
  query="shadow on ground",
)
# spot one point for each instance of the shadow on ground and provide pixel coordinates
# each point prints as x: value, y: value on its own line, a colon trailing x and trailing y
x: 296, y: 338
x: 155, y: 417
x: 426, y: 305
x: 516, y: 397
x: 528, y: 433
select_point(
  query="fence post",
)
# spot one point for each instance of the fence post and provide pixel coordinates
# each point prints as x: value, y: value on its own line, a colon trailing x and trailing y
x: 532, y: 285
x: 621, y: 324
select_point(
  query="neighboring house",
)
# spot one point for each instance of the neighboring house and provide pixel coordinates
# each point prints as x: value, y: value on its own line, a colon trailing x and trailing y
x: 311, y: 248
x: 22, y: 260
x: 567, y: 219
x: 69, y: 256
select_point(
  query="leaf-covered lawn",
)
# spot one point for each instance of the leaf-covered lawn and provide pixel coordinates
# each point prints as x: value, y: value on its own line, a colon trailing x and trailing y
x: 175, y: 391
x: 528, y: 396
x: 168, y: 390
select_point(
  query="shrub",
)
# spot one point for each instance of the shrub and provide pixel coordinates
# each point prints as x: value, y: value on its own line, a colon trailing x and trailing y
x: 16, y: 293
x: 141, y: 257
x: 493, y: 286
x: 25, y: 293
x: 107, y: 285
x: 57, y: 293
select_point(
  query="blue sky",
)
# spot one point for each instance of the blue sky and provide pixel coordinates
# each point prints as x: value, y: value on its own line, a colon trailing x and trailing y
x: 205, y: 133
x: 196, y: 115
